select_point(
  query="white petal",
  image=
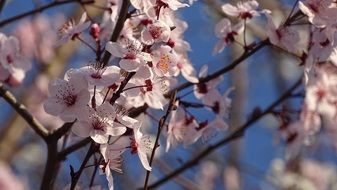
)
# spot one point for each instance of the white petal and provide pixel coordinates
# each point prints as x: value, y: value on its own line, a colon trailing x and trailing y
x: 99, y: 138
x: 129, y: 64
x: 143, y: 159
x: 81, y: 129
x: 115, y: 49
x: 115, y: 131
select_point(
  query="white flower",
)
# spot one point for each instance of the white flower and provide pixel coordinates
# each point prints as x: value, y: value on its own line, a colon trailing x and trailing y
x: 71, y: 30
x: 67, y: 97
x: 141, y: 144
x: 245, y: 10
x: 130, y: 50
x: 98, y: 124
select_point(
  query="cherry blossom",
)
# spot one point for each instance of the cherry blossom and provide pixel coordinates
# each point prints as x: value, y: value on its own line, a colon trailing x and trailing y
x: 13, y: 65
x: 202, y: 90
x: 130, y: 50
x: 185, y: 67
x: 113, y: 161
x: 155, y: 32
x: 318, y: 11
x: 226, y: 32
x: 100, y: 77
x: 164, y: 61
x: 284, y: 36
x: 243, y: 10
x: 98, y: 124
x: 67, y: 97
x: 141, y: 144
x: 149, y: 91
x: 181, y: 129
x: 70, y: 30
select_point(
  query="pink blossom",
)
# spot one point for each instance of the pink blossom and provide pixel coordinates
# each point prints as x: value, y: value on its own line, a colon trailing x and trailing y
x: 70, y: 30
x: 150, y: 91
x: 98, y: 124
x: 13, y: 65
x: 202, y: 90
x: 8, y: 181
x: 185, y: 67
x: 164, y: 61
x: 100, y: 77
x: 113, y: 161
x: 67, y: 97
x: 130, y: 50
x: 181, y: 129
x: 155, y: 32
x: 141, y: 144
x: 284, y: 36
x: 226, y: 33
x: 319, y: 12
x: 245, y: 10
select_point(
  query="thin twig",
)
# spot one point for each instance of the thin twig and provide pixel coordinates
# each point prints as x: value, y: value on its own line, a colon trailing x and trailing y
x: 72, y: 148
x: 118, y: 28
x: 77, y: 175
x: 224, y: 70
x: 238, y: 132
x: 40, y: 9
x: 161, y: 123
x: 23, y: 112
x: 2, y: 4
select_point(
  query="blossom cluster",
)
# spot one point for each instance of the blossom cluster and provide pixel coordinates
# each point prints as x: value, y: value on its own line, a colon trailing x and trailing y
x: 145, y: 62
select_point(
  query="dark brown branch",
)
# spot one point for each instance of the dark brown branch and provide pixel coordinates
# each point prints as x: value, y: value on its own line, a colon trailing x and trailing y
x: 23, y: 112
x: 118, y: 28
x: 161, y: 123
x: 40, y: 9
x: 232, y: 136
x: 117, y: 94
x: 2, y: 4
x: 63, y: 130
x: 51, y: 169
x: 76, y: 176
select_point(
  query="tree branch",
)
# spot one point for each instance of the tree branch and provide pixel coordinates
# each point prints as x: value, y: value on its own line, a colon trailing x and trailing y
x: 232, y: 136
x: 40, y: 9
x: 161, y: 123
x: 224, y: 70
x: 118, y: 28
x: 23, y: 112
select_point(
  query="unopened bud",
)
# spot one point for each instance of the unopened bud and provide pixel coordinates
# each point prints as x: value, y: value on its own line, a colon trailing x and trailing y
x: 95, y: 30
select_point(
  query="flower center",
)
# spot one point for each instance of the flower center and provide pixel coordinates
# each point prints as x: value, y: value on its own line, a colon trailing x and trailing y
x: 9, y: 59
x: 70, y: 100
x: 134, y: 146
x: 98, y: 125
x: 155, y: 32
x: 163, y: 63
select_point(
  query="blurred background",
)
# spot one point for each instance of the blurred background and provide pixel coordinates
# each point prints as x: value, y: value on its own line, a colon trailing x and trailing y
x: 246, y: 163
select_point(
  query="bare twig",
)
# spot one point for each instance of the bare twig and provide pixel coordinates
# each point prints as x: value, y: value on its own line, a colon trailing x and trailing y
x: 118, y: 28
x: 161, y: 123
x: 40, y: 9
x: 224, y: 70
x: 2, y: 4
x: 77, y: 175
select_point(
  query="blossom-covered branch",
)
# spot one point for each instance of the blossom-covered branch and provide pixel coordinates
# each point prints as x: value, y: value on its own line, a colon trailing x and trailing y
x: 21, y: 109
x: 42, y: 8
x: 237, y: 133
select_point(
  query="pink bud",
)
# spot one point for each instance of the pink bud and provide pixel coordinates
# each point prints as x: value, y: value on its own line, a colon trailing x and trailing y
x: 95, y: 30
